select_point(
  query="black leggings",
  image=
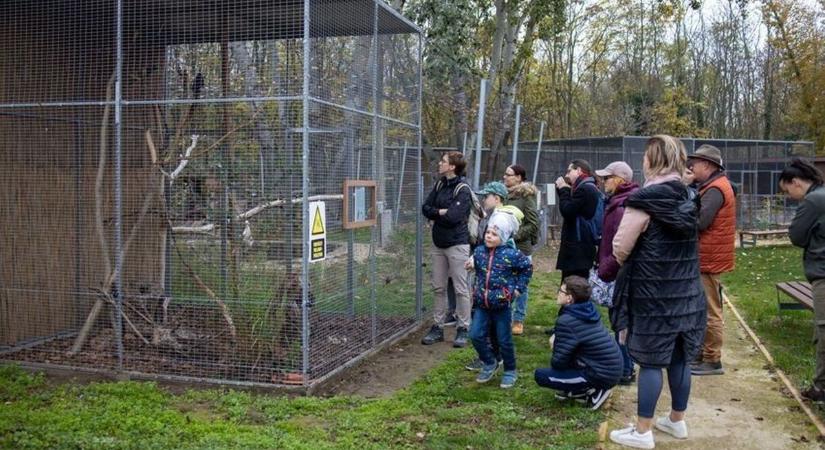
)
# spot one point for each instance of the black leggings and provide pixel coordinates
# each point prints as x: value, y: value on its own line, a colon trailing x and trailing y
x: 650, y: 385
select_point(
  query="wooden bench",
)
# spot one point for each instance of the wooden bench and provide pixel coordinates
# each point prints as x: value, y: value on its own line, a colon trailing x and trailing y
x: 755, y: 234
x: 797, y: 290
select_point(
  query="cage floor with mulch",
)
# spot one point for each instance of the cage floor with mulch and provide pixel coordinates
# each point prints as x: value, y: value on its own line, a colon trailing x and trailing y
x: 205, y: 351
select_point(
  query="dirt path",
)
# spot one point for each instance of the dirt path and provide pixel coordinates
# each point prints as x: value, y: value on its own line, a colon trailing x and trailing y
x: 743, y: 409
x: 394, y: 368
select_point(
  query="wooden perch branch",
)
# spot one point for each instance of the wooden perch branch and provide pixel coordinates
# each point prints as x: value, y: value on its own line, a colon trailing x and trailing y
x: 202, y: 229
x: 260, y: 208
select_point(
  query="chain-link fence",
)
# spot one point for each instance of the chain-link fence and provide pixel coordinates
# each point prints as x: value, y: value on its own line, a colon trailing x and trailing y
x: 173, y: 198
x: 753, y: 167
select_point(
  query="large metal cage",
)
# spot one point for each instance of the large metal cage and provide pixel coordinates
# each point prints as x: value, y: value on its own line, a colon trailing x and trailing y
x: 172, y: 186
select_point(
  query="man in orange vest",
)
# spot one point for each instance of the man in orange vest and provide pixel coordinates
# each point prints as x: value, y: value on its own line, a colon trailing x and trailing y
x: 717, y: 237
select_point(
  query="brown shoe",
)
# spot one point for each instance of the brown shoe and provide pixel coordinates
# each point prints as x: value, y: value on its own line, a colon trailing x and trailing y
x: 518, y: 328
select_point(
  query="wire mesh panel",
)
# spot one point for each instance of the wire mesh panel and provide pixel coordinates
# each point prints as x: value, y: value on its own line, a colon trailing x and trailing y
x: 158, y: 163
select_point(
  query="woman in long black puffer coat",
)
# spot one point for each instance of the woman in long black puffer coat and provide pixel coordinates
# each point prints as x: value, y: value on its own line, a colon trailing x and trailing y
x: 659, y: 297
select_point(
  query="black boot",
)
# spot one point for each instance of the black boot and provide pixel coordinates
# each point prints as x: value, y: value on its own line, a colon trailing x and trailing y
x: 460, y: 337
x: 436, y: 334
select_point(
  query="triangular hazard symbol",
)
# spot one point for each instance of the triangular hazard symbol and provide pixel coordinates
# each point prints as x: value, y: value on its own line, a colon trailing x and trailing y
x: 317, y: 222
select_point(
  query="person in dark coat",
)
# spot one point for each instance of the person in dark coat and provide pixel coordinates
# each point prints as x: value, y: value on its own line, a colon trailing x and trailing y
x: 448, y: 207
x: 803, y: 182
x: 659, y: 296
x: 586, y: 360
x: 578, y: 200
x: 618, y: 185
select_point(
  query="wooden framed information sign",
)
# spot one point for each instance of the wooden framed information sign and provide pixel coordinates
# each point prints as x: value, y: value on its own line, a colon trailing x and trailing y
x: 359, y: 204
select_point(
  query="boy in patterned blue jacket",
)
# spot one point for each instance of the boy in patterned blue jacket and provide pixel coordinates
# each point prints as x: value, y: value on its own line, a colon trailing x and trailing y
x: 502, y: 274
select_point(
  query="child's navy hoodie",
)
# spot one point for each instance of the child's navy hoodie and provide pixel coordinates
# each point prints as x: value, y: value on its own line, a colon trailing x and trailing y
x: 582, y: 342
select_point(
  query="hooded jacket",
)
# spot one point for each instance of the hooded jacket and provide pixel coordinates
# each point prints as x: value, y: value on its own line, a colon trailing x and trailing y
x: 613, y: 212
x: 807, y: 230
x: 582, y: 342
x: 451, y: 228
x: 659, y: 296
x: 579, y: 201
x: 500, y: 272
x: 523, y: 196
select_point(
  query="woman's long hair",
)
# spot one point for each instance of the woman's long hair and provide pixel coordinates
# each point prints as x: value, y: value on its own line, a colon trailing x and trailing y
x: 665, y: 155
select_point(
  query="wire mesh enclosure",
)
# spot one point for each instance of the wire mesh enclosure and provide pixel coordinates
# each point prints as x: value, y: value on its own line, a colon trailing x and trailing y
x: 172, y: 185
x: 753, y: 167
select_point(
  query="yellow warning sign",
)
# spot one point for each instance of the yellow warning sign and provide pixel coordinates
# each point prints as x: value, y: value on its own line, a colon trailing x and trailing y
x: 317, y: 232
x: 318, y: 223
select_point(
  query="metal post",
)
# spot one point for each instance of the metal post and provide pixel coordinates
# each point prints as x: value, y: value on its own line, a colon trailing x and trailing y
x: 515, y: 134
x: 400, y: 183
x: 305, y: 203
x: 419, y: 199
x: 375, y: 133
x: 538, y: 154
x: 482, y: 100
x: 464, y: 145
x: 118, y: 294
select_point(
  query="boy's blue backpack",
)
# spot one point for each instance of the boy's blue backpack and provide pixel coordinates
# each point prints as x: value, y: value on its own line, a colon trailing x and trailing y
x: 593, y: 225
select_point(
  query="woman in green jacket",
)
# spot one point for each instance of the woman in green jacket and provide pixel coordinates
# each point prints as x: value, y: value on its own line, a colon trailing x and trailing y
x: 522, y: 195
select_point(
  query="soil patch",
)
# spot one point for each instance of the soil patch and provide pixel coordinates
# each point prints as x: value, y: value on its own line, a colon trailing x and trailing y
x: 394, y: 368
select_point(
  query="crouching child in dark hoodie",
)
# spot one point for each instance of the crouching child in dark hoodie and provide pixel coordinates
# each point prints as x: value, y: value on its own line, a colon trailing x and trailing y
x: 502, y: 274
x: 587, y: 362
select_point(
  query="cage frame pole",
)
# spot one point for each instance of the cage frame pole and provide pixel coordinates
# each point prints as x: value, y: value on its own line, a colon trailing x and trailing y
x: 118, y: 294
x: 516, y: 135
x: 374, y: 235
x: 538, y: 153
x: 482, y: 105
x: 419, y: 222
x: 304, y: 204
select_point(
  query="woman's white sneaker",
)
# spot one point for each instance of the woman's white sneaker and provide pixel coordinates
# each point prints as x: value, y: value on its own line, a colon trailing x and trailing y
x: 629, y: 437
x: 675, y: 429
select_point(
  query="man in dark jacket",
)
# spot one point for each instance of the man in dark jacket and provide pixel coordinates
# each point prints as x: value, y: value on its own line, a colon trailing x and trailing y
x: 578, y: 200
x: 586, y: 361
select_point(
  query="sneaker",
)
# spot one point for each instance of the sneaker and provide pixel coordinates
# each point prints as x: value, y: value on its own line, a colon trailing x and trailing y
x: 628, y: 379
x: 675, y: 429
x: 629, y: 437
x: 436, y: 334
x: 814, y: 394
x: 508, y: 379
x: 477, y: 364
x: 570, y: 395
x: 707, y: 368
x: 597, y: 399
x: 460, y: 337
x: 486, y: 373
x: 450, y: 320
x: 518, y: 328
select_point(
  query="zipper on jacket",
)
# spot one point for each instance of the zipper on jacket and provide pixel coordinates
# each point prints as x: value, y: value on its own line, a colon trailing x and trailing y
x: 487, y: 281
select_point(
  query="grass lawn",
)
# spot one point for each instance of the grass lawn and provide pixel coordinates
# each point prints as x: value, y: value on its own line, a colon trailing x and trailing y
x: 787, y: 334
x: 445, y: 409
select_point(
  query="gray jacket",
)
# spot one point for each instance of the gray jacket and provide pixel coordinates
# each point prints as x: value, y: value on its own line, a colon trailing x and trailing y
x: 807, y: 230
